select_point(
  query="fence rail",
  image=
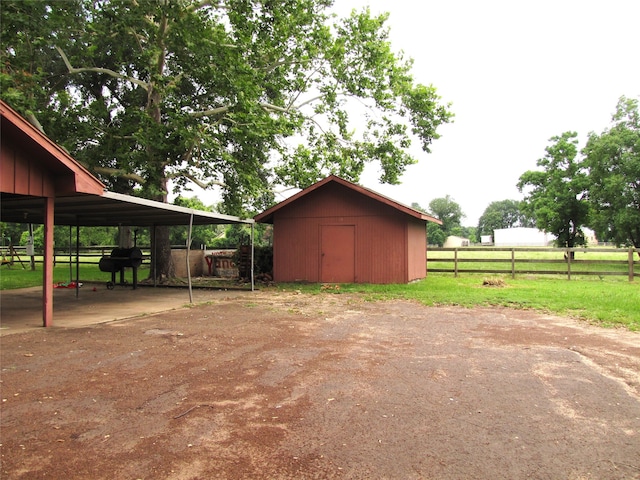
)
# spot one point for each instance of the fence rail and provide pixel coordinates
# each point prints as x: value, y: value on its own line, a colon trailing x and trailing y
x: 85, y: 255
x: 539, y: 261
x: 89, y: 255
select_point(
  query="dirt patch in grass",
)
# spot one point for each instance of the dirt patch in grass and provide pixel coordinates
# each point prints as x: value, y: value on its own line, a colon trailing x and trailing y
x: 493, y: 282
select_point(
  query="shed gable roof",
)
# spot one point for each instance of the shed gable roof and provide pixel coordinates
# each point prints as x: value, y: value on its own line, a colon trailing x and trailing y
x: 267, y: 215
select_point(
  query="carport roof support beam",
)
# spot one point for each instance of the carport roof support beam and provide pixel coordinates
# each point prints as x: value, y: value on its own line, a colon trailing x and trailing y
x: 109, y: 209
x: 188, y: 259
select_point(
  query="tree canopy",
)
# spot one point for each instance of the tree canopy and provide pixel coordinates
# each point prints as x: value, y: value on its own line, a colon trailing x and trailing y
x: 447, y: 210
x: 502, y: 214
x: 236, y: 94
x: 240, y: 95
x: 556, y: 194
x: 613, y: 159
x: 450, y: 213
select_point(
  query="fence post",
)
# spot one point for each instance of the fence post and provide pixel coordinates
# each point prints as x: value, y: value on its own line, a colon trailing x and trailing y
x: 631, y: 264
x: 568, y: 255
x: 455, y: 262
x: 513, y: 263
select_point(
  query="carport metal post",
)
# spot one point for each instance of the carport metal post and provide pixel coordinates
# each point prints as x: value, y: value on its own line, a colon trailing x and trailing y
x: 70, y: 253
x: 189, y: 266
x: 252, y: 258
x: 77, y: 287
x: 77, y: 259
x: 154, y: 264
x: 32, y: 260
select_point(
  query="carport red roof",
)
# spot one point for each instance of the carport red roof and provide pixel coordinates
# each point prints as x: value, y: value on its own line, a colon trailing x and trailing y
x: 89, y: 204
x: 267, y: 215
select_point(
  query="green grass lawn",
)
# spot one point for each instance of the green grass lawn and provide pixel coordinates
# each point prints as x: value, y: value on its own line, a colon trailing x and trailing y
x: 17, y: 277
x: 609, y: 302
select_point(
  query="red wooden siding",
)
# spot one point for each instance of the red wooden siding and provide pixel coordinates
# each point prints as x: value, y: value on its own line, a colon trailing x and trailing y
x: 31, y: 164
x: 7, y: 169
x: 22, y: 176
x: 295, y: 253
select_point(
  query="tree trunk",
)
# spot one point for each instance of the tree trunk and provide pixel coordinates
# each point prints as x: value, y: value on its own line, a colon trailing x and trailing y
x: 124, y: 237
x: 160, y: 244
x: 162, y: 268
x: 572, y: 254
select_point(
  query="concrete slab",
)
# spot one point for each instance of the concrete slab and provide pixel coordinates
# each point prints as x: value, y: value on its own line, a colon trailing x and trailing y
x: 21, y: 309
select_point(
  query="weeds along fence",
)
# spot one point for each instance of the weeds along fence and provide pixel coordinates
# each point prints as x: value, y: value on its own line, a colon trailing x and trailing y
x: 535, y: 261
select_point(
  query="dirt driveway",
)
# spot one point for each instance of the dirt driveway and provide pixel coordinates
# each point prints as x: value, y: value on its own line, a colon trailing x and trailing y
x: 278, y: 385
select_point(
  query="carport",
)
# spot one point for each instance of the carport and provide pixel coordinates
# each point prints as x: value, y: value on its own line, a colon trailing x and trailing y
x: 42, y: 184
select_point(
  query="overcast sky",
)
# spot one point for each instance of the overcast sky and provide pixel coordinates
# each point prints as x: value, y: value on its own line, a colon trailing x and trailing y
x: 516, y: 73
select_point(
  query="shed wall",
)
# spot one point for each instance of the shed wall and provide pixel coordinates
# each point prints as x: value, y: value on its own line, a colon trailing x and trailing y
x: 417, y: 250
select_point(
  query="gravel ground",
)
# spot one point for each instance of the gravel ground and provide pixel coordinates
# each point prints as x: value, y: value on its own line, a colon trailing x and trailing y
x: 284, y: 385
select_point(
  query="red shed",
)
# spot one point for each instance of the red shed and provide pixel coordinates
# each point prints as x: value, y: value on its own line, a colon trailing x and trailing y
x: 338, y: 232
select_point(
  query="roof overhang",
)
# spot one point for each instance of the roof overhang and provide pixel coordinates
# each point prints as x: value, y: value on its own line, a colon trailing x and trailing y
x: 108, y: 209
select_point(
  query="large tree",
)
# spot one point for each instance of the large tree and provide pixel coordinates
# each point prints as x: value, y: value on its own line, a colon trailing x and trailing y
x: 450, y: 213
x: 447, y: 210
x: 238, y: 94
x: 613, y: 158
x: 556, y: 194
x: 502, y: 214
x: 30, y: 69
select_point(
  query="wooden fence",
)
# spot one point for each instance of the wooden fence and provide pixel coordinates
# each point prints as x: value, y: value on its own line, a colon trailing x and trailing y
x: 535, y: 261
x: 93, y: 254
x: 85, y: 255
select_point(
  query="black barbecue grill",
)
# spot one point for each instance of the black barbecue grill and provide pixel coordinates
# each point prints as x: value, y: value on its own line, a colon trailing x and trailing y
x: 120, y: 259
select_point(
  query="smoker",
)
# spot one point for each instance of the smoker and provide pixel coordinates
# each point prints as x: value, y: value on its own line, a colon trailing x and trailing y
x: 120, y: 259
